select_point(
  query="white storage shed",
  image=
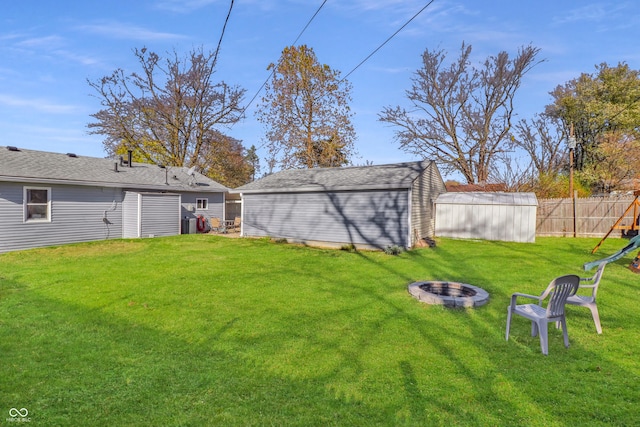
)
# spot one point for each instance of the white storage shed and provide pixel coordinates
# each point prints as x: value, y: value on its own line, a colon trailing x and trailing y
x: 509, y: 217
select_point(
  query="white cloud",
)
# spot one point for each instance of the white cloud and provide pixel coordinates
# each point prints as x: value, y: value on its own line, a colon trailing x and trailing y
x: 184, y: 6
x: 119, y: 30
x: 37, y: 104
x: 47, y: 42
x: 77, y: 58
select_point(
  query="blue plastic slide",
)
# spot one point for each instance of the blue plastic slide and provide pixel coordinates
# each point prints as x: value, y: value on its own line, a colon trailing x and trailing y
x: 633, y: 244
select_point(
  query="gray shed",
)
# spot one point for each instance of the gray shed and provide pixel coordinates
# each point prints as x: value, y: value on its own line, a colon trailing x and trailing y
x: 489, y: 216
x: 367, y: 206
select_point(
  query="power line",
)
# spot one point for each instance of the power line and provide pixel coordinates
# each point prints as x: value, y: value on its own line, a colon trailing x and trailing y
x: 224, y: 27
x: 308, y: 23
x: 274, y: 68
x: 387, y: 40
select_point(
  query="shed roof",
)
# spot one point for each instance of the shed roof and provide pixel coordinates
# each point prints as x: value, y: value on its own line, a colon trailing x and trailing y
x: 391, y: 176
x: 54, y: 168
x: 484, y: 198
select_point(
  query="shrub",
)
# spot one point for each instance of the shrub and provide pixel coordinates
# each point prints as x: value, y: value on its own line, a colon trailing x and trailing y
x: 393, y: 250
x: 349, y: 248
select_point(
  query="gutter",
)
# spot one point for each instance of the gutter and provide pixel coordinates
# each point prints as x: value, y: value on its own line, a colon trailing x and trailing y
x: 126, y: 185
x: 321, y: 189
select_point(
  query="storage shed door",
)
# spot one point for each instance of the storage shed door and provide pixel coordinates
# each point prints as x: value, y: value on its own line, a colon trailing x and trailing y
x: 159, y: 214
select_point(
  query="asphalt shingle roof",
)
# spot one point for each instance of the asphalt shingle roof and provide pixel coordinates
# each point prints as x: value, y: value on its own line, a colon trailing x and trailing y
x: 44, y: 167
x: 392, y: 176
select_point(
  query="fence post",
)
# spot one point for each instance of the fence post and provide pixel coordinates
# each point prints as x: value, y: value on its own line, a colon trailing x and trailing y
x: 574, y: 196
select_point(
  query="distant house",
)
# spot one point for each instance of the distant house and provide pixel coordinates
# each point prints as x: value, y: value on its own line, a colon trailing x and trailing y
x: 369, y: 206
x: 50, y: 198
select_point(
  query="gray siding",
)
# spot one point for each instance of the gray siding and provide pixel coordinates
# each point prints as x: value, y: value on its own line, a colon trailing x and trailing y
x: 215, y: 208
x: 77, y: 214
x: 372, y: 218
x: 424, y: 192
x: 159, y: 214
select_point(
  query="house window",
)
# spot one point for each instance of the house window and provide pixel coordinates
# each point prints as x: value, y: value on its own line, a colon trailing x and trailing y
x: 37, y: 204
x: 202, y: 204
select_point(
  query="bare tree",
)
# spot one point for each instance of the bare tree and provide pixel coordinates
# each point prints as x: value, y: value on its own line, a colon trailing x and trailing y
x: 171, y: 113
x: 514, y: 174
x: 306, y: 113
x: 460, y: 115
x: 544, y: 139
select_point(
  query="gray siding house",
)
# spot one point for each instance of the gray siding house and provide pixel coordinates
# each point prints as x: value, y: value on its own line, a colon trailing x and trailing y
x: 369, y: 206
x: 51, y: 199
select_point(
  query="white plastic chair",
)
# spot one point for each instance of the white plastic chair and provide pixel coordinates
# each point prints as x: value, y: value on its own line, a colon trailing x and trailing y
x: 590, y: 301
x: 559, y: 290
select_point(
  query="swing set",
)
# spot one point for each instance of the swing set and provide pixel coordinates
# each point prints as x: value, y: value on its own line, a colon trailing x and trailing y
x: 627, y: 230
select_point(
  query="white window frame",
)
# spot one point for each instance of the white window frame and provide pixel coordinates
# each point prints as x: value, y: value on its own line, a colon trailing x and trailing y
x: 27, y: 204
x: 202, y: 204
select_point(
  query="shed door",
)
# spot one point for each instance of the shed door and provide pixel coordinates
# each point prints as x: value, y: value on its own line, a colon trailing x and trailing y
x: 159, y: 214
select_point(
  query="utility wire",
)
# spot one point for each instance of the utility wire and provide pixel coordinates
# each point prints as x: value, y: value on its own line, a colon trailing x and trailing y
x: 387, y: 40
x: 224, y: 27
x: 274, y: 68
x: 308, y: 23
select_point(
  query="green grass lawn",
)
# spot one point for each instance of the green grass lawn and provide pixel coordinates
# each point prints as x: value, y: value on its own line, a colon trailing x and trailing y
x: 205, y: 330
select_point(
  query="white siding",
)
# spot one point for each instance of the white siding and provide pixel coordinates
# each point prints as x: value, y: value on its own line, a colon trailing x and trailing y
x: 131, y: 215
x: 488, y: 216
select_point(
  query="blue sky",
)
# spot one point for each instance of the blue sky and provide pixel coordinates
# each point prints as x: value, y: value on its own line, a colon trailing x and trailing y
x: 50, y: 49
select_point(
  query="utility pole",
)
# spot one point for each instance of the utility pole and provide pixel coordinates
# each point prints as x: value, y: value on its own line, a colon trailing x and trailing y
x: 572, y: 146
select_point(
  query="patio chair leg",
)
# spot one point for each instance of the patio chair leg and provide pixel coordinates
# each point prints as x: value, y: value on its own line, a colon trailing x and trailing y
x: 596, y: 317
x: 565, y: 333
x: 508, y: 322
x: 543, y: 340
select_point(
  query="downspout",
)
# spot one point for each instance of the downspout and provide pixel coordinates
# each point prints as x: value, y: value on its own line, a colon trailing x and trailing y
x: 224, y: 206
x: 409, y: 194
x: 241, y: 215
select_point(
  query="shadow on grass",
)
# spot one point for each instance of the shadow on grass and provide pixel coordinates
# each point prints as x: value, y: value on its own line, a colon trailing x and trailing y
x: 343, y: 349
x: 84, y: 367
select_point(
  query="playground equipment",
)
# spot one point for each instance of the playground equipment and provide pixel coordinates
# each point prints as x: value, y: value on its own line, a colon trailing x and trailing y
x: 634, y: 243
x: 627, y: 230
x: 635, y: 265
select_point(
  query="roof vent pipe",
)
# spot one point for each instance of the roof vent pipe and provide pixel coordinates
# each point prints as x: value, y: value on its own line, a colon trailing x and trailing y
x: 115, y: 166
x: 130, y: 153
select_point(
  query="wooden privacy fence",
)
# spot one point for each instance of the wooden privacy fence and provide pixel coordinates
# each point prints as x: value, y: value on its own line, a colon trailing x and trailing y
x: 594, y: 216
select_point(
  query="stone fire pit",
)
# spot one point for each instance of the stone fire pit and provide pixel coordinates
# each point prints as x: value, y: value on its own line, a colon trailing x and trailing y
x: 449, y: 294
